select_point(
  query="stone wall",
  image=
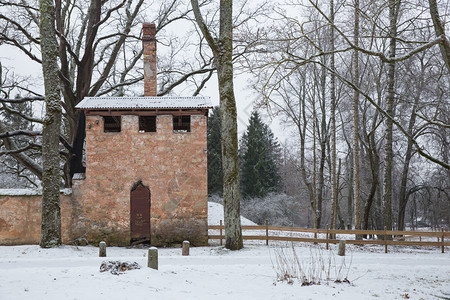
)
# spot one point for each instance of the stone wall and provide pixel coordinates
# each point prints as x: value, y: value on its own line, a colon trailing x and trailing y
x: 171, y: 164
x: 20, y: 217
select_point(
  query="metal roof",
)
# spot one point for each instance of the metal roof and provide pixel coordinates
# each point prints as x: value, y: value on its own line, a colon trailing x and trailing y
x: 114, y: 103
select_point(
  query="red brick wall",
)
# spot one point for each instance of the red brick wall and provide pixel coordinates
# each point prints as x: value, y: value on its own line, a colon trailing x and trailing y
x: 149, y: 53
x: 172, y: 165
x: 20, y: 219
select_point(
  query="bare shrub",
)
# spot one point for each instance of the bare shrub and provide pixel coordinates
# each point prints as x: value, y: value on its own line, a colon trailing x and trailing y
x: 316, y: 268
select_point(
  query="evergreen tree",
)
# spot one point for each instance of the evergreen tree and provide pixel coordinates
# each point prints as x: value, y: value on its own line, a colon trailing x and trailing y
x: 215, y: 175
x: 260, y: 155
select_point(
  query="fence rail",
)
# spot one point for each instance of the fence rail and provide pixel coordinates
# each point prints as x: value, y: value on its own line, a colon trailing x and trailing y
x: 401, y: 238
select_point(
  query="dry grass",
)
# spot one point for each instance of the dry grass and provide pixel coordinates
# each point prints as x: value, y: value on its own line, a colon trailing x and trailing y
x: 320, y: 266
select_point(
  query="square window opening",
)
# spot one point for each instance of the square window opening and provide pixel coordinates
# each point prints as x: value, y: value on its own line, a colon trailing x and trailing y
x: 147, y: 123
x: 182, y: 123
x: 111, y: 123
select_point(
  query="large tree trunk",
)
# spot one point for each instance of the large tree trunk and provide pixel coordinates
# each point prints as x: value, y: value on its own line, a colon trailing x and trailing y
x: 355, y: 79
x: 334, y: 188
x: 51, y: 212
x: 388, y: 159
x: 223, y: 50
x: 230, y: 157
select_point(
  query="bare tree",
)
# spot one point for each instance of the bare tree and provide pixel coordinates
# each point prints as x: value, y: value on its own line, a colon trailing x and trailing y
x: 51, y: 211
x: 394, y: 7
x: 333, y: 104
x: 355, y: 148
x: 222, y: 48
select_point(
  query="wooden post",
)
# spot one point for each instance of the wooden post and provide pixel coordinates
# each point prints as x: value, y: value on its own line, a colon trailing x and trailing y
x: 185, y: 250
x: 220, y: 232
x: 341, y: 251
x: 102, y: 249
x: 267, y: 232
x: 153, y: 258
x: 442, y: 240
x: 326, y: 235
x: 385, y: 240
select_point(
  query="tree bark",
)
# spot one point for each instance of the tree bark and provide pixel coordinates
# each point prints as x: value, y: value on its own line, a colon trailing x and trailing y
x: 51, y: 212
x: 334, y: 188
x: 223, y: 50
x: 388, y: 160
x: 355, y: 79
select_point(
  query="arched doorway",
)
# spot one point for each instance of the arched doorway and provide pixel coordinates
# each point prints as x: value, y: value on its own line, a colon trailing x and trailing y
x: 140, y: 213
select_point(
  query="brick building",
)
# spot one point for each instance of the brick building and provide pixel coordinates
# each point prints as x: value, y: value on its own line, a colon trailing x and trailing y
x: 146, y: 172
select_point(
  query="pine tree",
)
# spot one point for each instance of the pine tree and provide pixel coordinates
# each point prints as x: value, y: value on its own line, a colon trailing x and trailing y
x: 215, y: 175
x: 260, y: 155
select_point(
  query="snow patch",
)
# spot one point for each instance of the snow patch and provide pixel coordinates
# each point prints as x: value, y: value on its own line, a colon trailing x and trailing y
x: 215, y: 214
x: 29, y: 192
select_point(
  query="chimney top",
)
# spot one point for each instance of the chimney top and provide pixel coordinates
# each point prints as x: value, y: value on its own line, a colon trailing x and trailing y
x: 148, y: 32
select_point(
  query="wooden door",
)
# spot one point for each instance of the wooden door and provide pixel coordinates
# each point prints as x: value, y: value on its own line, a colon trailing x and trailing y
x: 140, y: 213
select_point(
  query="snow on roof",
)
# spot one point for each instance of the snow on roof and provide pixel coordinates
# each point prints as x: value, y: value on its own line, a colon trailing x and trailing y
x: 144, y: 102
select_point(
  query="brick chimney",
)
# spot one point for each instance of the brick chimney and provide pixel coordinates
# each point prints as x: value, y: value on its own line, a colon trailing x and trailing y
x: 149, y: 46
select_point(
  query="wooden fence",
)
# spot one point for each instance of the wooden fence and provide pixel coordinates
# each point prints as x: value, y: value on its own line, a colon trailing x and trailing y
x: 385, y: 237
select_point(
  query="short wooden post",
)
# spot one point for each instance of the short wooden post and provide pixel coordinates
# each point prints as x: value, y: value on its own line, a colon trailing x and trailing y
x: 385, y: 240
x: 153, y: 258
x: 442, y: 240
x: 220, y: 232
x: 267, y: 233
x: 341, y: 251
x: 326, y: 235
x: 185, y: 250
x: 102, y: 249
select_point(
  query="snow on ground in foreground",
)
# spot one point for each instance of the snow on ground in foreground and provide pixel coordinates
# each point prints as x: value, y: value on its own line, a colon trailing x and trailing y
x: 29, y: 272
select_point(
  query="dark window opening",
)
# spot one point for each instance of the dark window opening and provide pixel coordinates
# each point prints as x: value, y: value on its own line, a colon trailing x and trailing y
x: 111, y: 123
x: 147, y: 123
x: 182, y: 123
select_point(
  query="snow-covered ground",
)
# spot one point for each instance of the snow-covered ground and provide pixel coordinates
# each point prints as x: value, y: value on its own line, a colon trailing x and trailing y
x: 29, y: 272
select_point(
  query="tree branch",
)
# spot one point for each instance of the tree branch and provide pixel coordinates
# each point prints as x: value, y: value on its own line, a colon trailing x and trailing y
x: 22, y: 100
x: 204, y: 29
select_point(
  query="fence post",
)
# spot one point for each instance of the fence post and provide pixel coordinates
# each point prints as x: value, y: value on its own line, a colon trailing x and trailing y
x: 185, y: 248
x: 341, y: 251
x: 153, y: 258
x: 385, y: 240
x: 220, y: 232
x: 267, y: 233
x: 442, y: 240
x: 102, y: 249
x: 326, y: 235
